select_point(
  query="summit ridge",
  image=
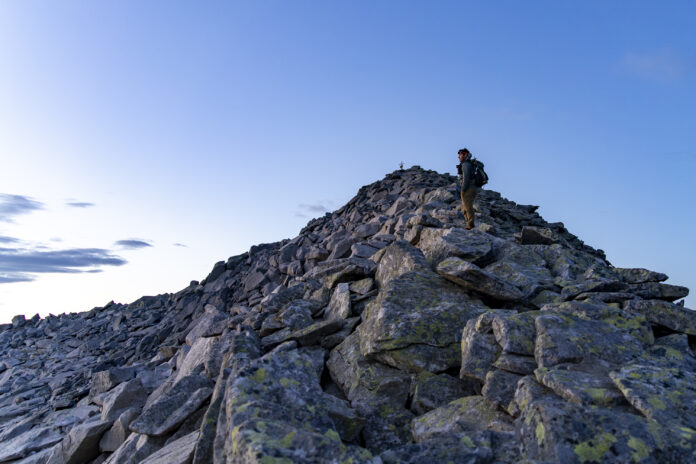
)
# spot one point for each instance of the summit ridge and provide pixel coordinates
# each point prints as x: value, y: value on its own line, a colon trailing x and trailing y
x: 385, y: 332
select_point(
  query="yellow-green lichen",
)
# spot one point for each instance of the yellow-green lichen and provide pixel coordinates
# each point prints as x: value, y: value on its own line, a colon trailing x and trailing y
x: 286, y: 382
x: 540, y: 433
x: 640, y: 449
x: 260, y: 375
x: 466, y: 441
x: 657, y: 403
x: 595, y: 449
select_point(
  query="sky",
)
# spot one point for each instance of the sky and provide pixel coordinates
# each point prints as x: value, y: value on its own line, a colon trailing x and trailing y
x: 141, y: 142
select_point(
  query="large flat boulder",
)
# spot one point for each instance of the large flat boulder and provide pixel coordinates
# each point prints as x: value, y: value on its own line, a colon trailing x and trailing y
x: 473, y: 278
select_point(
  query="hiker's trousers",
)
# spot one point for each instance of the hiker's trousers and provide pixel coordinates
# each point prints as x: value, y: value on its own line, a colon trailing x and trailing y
x: 468, y: 197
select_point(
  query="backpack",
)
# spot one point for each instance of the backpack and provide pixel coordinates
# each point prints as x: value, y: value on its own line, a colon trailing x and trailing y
x: 480, y: 177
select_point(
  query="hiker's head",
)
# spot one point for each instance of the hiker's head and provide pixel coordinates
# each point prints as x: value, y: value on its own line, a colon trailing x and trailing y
x: 464, y: 154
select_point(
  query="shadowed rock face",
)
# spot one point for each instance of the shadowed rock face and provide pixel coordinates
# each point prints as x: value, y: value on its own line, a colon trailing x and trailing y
x: 383, y: 333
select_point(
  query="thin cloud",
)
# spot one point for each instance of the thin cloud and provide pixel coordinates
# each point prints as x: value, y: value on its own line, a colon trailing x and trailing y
x: 132, y: 244
x: 6, y: 239
x: 79, y: 204
x: 177, y: 244
x: 15, y: 205
x: 19, y: 264
x: 9, y: 278
x: 659, y: 65
x: 314, y: 208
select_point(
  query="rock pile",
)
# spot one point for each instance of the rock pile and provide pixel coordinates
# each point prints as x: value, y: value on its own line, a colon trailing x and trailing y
x: 383, y: 333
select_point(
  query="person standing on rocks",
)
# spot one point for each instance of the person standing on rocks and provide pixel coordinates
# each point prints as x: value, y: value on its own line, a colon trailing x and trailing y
x: 467, y: 186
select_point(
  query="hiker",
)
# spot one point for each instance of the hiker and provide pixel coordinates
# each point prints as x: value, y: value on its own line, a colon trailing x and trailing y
x: 467, y: 186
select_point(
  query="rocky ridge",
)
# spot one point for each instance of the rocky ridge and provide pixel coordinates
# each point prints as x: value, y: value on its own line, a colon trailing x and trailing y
x: 383, y: 333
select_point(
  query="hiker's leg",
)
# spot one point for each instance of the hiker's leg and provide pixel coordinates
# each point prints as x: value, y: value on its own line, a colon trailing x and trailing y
x: 464, y: 210
x: 468, y: 204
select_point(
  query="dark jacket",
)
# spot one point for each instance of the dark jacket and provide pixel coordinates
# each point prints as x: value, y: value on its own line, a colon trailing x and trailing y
x: 465, y: 169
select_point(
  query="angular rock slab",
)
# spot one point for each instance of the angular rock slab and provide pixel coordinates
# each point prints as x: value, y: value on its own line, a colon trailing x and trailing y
x: 339, y: 306
x: 581, y: 384
x: 268, y: 413
x: 82, y: 443
x: 430, y: 391
x: 127, y: 395
x: 665, y: 394
x: 170, y: 410
x: 29, y: 442
x: 460, y: 416
x: 136, y: 448
x: 397, y: 259
x: 179, y: 451
x: 516, y: 332
x: 555, y: 431
x: 439, y: 244
x: 479, y: 351
x: 472, y: 277
x: 415, y: 322
x: 499, y: 387
x: 664, y: 313
x: 378, y: 392
x: 633, y: 323
x: 117, y: 434
x: 562, y: 339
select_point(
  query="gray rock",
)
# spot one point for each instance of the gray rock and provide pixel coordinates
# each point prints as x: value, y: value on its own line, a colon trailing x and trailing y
x: 275, y: 421
x: 584, y: 384
x: 562, y: 338
x: 459, y: 416
x: 478, y: 352
x: 516, y: 333
x: 136, y: 448
x: 440, y: 244
x: 179, y: 451
x: 339, y: 306
x: 531, y: 235
x: 639, y: 275
x: 127, y: 395
x: 473, y: 278
x: 117, y: 434
x: 663, y: 393
x: 168, y: 412
x: 430, y: 391
x: 211, y: 324
x: 194, y: 361
x: 82, y: 442
x: 36, y: 439
x: 499, y: 387
x: 362, y: 286
x: 515, y: 363
x: 665, y: 314
x: 106, y: 380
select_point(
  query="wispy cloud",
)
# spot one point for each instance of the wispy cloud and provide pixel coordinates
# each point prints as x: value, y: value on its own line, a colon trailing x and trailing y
x: 177, y: 244
x: 15, y: 205
x: 319, y: 207
x: 313, y: 209
x: 79, y: 204
x: 132, y: 243
x: 19, y: 264
x: 658, y: 65
x: 6, y: 239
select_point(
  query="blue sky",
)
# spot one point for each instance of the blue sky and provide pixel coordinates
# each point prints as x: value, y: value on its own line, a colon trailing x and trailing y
x: 147, y: 140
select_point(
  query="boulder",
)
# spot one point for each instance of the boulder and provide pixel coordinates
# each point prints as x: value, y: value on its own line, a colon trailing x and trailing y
x: 439, y: 244
x: 165, y: 414
x: 179, y: 451
x: 127, y: 395
x: 473, y: 278
x: 457, y: 417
